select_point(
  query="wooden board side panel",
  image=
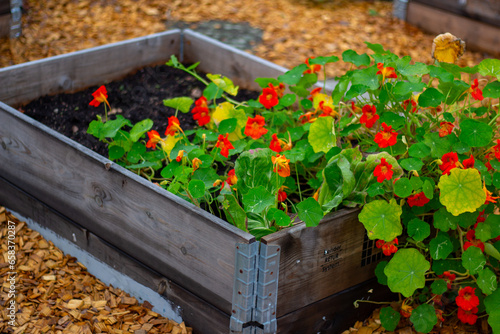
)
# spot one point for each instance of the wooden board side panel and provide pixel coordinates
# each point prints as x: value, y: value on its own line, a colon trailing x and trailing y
x: 218, y: 58
x: 77, y: 70
x: 321, y: 261
x: 197, y: 313
x: 159, y: 229
x: 4, y: 25
x: 477, y: 35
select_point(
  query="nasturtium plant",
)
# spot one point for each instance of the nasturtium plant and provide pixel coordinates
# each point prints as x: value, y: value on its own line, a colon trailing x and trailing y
x: 414, y: 146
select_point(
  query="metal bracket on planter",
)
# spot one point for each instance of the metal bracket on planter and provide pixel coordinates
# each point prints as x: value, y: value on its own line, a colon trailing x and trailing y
x: 267, y: 289
x: 244, y: 287
x: 15, y: 18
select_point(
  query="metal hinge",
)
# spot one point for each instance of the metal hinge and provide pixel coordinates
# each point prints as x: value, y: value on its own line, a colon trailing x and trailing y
x: 255, y: 289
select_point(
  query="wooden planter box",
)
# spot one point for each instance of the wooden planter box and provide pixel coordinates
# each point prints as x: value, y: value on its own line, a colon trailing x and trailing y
x: 10, y: 17
x: 477, y: 22
x: 299, y: 280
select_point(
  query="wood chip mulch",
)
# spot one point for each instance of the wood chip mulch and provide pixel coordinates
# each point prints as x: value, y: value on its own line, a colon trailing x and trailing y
x: 292, y: 29
x: 55, y: 293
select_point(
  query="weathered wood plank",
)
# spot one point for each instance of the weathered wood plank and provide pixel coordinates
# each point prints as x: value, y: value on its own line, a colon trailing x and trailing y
x: 163, y: 231
x: 219, y: 58
x: 477, y: 35
x: 318, y: 262
x: 197, y: 313
x: 77, y: 70
x: 4, y: 7
x: 337, y: 313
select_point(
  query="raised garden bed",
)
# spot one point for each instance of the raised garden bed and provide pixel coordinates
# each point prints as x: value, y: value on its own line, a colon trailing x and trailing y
x: 297, y: 280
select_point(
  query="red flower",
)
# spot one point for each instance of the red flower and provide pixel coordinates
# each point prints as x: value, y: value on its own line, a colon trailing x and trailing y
x: 388, y: 248
x: 315, y: 68
x: 450, y: 161
x: 255, y: 127
x: 231, y: 178
x: 327, y: 109
x: 496, y: 149
x: 369, y: 116
x: 173, y: 126
x: 268, y: 98
x: 355, y: 109
x: 449, y: 277
x: 417, y: 199
x: 467, y: 317
x: 315, y: 91
x: 386, y: 72
x: 278, y: 145
x: 445, y: 128
x: 386, y: 137
x: 469, y: 163
x: 154, y: 138
x: 307, y: 117
x: 224, y: 144
x: 406, y: 103
x: 200, y: 111
x: 100, y: 96
x: 467, y: 299
x: 472, y: 241
x: 383, y: 171
x: 282, y: 194
x: 475, y: 92
x: 281, y: 166
x: 180, y: 155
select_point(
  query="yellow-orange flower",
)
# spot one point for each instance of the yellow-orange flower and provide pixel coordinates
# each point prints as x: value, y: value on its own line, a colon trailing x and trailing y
x: 196, y: 163
x: 154, y: 138
x: 447, y: 48
x: 281, y: 166
x: 386, y: 72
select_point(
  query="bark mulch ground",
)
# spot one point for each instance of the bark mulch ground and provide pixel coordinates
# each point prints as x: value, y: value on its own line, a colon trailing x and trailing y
x: 56, y: 294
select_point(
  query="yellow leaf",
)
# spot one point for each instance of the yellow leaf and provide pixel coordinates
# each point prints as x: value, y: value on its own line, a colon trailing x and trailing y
x: 447, y: 48
x: 226, y: 110
x: 168, y: 144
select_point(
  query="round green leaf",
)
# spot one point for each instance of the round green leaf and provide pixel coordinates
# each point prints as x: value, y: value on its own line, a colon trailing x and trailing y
x: 483, y: 232
x: 473, y: 260
x: 444, y: 220
x: 322, y: 134
x: 116, y: 152
x: 179, y: 103
x: 228, y: 125
x: 416, y: 182
x: 411, y: 164
x: 494, y: 222
x: 310, y: 212
x: 382, y: 220
x: 375, y: 189
x: 419, y: 150
x: 440, y: 247
x: 428, y: 189
x: 393, y: 119
x: 196, y: 188
x: 379, y: 272
x: 257, y: 199
x: 406, y: 271
x: 475, y: 133
x: 492, y: 90
x: 487, y: 281
x: 424, y: 318
x: 492, y: 302
x: 418, y: 229
x: 494, y: 319
x: 431, y: 97
x: 389, y: 318
x: 439, y: 287
x: 461, y: 191
x: 351, y: 56
x: 403, y: 187
x: 140, y: 128
x: 490, y: 67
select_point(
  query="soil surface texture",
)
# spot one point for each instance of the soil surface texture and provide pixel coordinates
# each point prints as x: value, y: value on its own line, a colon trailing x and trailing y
x: 136, y: 97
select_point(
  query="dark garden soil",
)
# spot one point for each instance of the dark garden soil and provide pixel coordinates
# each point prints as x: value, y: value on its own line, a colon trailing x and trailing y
x: 136, y: 97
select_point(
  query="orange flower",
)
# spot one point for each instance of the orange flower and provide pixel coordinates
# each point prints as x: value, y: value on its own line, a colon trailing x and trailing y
x: 268, y: 98
x: 280, y: 89
x: 200, y: 111
x: 383, y: 171
x: 369, y: 116
x: 475, y: 92
x: 173, y: 126
x: 314, y: 92
x: 278, y: 145
x: 449, y: 277
x: 445, y: 128
x: 386, y: 137
x: 386, y: 72
x: 224, y: 144
x: 388, y: 248
x: 231, y: 178
x: 406, y: 310
x: 327, y: 108
x: 467, y: 299
x: 179, y: 156
x: 281, y: 166
x: 100, y: 96
x: 307, y: 117
x: 355, y: 109
x: 315, y: 68
x: 154, y: 138
x: 255, y: 127
x: 489, y: 198
x: 413, y: 103
x: 196, y: 163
